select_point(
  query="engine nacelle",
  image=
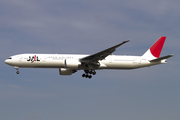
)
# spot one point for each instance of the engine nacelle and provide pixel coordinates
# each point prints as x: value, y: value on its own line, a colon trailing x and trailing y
x: 65, y: 71
x: 72, y: 63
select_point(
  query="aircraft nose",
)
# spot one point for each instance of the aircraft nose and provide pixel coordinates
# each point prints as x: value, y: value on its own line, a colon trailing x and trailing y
x: 7, y: 61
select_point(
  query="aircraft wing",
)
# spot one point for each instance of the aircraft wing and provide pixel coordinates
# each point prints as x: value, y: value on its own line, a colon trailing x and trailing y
x: 101, y: 55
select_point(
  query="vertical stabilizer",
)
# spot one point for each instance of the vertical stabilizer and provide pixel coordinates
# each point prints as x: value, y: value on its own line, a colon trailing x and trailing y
x: 154, y: 51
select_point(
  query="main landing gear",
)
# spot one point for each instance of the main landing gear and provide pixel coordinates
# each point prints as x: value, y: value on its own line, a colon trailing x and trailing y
x: 87, y: 72
x: 17, y: 72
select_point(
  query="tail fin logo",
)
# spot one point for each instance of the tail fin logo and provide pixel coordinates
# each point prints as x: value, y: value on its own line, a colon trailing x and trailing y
x: 157, y: 47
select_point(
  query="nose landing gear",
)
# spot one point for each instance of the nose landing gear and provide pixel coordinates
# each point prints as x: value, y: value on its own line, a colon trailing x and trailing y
x: 17, y: 72
x: 87, y: 72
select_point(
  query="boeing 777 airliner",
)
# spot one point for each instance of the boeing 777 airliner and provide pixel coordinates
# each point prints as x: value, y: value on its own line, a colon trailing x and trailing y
x: 71, y: 63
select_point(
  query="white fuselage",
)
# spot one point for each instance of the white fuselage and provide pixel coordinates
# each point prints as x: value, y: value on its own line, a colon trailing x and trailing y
x: 59, y: 61
x: 71, y: 63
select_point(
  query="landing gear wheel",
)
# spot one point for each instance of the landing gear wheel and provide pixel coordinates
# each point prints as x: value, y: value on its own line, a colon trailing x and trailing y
x: 90, y: 76
x: 88, y: 73
x: 17, y: 72
x: 83, y: 75
x: 86, y: 76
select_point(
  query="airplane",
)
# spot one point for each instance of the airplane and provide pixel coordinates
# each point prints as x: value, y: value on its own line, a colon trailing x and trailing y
x: 71, y: 63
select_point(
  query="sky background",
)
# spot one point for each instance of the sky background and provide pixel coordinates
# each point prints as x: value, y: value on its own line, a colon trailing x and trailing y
x: 87, y: 27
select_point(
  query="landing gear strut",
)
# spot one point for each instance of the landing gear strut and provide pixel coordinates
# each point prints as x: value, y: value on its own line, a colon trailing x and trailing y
x: 17, y: 72
x: 87, y: 72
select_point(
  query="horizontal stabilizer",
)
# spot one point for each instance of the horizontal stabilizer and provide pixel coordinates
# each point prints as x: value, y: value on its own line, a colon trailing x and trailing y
x: 161, y: 58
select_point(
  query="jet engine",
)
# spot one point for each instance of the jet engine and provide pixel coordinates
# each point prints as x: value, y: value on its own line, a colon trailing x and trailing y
x: 65, y: 71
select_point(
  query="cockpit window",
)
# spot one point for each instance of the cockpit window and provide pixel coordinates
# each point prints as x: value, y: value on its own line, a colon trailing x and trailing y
x: 9, y: 58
